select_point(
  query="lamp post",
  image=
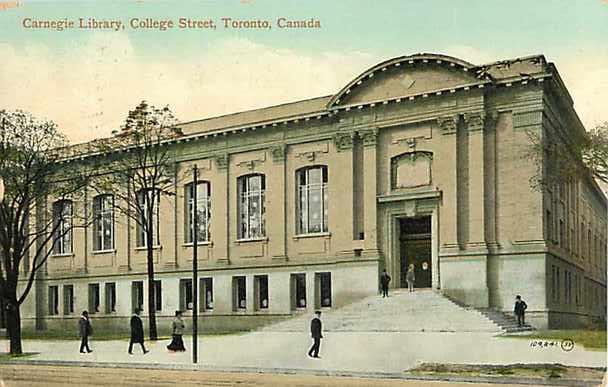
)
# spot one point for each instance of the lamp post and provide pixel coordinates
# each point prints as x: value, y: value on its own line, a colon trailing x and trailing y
x: 195, y: 266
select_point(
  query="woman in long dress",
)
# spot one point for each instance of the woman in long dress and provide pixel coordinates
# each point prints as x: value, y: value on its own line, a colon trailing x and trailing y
x: 178, y: 325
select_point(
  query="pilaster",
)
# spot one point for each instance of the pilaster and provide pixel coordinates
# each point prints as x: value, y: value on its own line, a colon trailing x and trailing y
x: 447, y: 126
x: 221, y: 210
x: 474, y: 123
x: 277, y: 204
x: 370, y: 191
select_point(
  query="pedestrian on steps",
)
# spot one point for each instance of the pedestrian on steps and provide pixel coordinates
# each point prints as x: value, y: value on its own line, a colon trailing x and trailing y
x: 410, y: 278
x: 520, y: 310
x: 385, y: 279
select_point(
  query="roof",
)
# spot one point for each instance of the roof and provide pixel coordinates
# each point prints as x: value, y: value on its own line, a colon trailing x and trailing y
x: 257, y: 116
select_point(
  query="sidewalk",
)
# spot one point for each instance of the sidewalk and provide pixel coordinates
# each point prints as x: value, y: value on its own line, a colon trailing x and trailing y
x: 341, y: 352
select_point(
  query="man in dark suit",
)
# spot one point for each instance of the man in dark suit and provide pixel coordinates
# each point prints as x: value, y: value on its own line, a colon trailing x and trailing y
x: 85, y: 330
x: 385, y: 279
x: 137, y: 332
x: 520, y: 310
x: 315, y: 332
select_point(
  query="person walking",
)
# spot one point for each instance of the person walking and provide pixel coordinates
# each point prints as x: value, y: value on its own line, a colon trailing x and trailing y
x: 410, y: 278
x: 85, y: 329
x: 315, y: 332
x: 178, y: 325
x: 385, y: 279
x: 520, y: 310
x: 137, y: 332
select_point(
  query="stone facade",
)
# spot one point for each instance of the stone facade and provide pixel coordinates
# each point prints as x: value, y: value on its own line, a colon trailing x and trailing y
x: 424, y: 137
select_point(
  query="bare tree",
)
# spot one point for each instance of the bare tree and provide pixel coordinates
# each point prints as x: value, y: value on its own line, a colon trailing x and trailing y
x: 141, y: 171
x: 560, y: 159
x: 31, y: 155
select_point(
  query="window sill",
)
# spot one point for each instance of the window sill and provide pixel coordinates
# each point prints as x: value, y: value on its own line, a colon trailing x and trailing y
x: 63, y: 255
x: 143, y: 248
x: 313, y: 235
x: 190, y: 244
x: 95, y: 252
x: 261, y: 239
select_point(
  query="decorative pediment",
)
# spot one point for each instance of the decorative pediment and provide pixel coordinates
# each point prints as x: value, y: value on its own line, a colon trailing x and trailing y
x: 408, y: 76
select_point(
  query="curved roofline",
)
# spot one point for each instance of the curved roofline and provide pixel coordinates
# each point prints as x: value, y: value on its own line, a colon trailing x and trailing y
x: 438, y: 58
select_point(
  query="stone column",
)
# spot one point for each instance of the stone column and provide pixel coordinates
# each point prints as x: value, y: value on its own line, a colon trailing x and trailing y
x: 476, y: 194
x: 370, y: 168
x: 435, y: 275
x: 449, y: 211
x: 278, y: 205
x: 221, y: 211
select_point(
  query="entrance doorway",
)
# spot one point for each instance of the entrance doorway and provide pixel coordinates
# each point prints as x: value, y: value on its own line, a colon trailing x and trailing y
x: 415, y: 249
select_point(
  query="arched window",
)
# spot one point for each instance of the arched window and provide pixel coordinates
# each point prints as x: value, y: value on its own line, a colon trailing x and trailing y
x: 143, y: 198
x: 251, y: 208
x: 312, y: 200
x: 203, y: 208
x: 62, y: 227
x: 103, y: 222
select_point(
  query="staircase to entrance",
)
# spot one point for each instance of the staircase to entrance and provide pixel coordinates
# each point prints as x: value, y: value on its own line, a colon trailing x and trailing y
x: 420, y: 311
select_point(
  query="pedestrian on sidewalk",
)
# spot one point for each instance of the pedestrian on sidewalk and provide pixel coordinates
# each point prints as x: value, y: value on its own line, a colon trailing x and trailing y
x: 85, y: 329
x: 137, y: 332
x: 178, y: 325
x: 385, y: 279
x: 315, y: 332
x: 520, y: 310
x: 410, y: 278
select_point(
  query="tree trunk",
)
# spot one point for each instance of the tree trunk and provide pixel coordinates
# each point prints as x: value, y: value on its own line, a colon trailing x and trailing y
x: 151, y: 291
x: 13, y: 327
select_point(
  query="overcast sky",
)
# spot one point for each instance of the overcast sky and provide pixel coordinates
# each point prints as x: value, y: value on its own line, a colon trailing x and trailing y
x: 86, y: 80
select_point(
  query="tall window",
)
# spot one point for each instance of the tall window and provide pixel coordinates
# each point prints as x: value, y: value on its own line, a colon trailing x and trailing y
x: 93, y: 298
x: 62, y: 225
x: 312, y: 200
x: 261, y: 289
x: 137, y: 295
x: 251, y: 206
x: 203, y: 208
x: 185, y: 294
x: 324, y: 280
x: 110, y: 297
x: 53, y: 300
x: 207, y: 294
x: 68, y: 299
x: 103, y: 222
x: 239, y: 293
x: 143, y: 198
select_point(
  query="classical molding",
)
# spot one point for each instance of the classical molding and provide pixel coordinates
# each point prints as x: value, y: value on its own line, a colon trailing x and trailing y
x: 343, y: 141
x: 368, y: 136
x: 278, y: 152
x: 527, y: 119
x: 250, y: 163
x: 474, y: 121
x: 448, y: 124
x: 222, y: 161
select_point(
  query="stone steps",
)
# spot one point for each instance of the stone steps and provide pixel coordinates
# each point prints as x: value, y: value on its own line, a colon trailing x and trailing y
x: 420, y: 311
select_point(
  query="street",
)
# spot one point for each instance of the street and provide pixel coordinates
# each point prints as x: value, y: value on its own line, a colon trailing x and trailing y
x: 56, y: 376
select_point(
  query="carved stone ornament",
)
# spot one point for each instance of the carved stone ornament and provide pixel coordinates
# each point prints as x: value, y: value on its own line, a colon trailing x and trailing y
x: 448, y: 124
x: 474, y: 121
x: 221, y: 161
x: 368, y: 136
x: 278, y: 152
x: 343, y: 141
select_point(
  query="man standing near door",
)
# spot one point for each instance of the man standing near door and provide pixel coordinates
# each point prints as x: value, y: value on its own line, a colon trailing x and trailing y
x: 385, y: 279
x: 315, y: 332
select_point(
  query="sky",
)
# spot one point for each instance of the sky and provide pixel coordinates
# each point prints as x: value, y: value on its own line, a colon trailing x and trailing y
x: 87, y: 80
